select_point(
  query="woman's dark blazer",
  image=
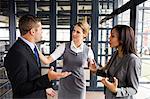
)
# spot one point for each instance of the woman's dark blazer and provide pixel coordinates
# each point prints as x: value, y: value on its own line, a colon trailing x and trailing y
x: 24, y: 72
x: 127, y: 71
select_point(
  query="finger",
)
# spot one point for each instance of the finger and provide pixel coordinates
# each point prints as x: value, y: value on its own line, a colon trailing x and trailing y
x: 106, y: 79
x: 103, y: 80
x: 53, y: 93
x: 116, y: 81
x: 66, y: 74
x: 94, y: 61
x: 50, y: 92
x: 63, y: 74
x: 52, y: 68
x: 93, y: 67
x: 69, y: 73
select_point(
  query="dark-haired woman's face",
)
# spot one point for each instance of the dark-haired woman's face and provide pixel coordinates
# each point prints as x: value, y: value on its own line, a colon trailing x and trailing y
x: 114, y: 40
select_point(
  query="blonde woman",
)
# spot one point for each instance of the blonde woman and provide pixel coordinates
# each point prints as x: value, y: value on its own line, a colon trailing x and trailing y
x: 76, y: 55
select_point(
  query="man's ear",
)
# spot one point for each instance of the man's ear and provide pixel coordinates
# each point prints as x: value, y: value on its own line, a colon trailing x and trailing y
x: 32, y: 31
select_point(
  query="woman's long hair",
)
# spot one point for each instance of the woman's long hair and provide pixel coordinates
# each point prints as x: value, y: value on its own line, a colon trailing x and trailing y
x: 127, y: 37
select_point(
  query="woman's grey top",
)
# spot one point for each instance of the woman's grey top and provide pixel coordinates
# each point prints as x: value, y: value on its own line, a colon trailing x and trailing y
x: 73, y: 86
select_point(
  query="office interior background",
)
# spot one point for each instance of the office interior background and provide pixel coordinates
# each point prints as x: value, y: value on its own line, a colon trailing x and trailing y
x: 58, y: 18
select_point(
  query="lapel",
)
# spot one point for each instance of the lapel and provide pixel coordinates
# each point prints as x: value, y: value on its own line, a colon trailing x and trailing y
x: 29, y: 50
x: 119, y: 65
x: 111, y: 60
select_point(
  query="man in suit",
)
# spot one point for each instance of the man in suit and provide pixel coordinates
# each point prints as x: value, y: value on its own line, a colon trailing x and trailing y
x: 23, y: 65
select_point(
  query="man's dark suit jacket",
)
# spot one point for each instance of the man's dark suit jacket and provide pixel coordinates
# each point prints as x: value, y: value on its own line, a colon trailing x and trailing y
x: 24, y: 73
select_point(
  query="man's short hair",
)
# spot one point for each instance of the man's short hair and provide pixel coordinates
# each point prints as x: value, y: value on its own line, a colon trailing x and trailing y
x: 27, y: 22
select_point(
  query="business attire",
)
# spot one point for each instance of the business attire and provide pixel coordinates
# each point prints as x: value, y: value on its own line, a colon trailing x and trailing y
x: 74, y: 60
x: 127, y: 70
x: 24, y: 72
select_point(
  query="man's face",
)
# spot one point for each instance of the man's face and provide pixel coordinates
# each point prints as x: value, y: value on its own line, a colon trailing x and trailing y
x: 38, y: 32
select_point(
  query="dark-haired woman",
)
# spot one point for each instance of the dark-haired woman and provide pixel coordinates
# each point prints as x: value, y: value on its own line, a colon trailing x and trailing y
x: 121, y: 74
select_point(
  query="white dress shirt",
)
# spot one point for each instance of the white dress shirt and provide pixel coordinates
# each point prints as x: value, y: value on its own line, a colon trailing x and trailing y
x: 32, y: 46
x: 60, y: 50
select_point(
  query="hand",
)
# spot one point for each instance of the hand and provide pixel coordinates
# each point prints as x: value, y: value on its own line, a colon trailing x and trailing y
x: 111, y: 86
x: 50, y: 92
x: 92, y: 65
x: 52, y: 75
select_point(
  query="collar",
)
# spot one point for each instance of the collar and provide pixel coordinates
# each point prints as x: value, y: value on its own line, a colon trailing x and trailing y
x: 74, y: 46
x: 32, y: 45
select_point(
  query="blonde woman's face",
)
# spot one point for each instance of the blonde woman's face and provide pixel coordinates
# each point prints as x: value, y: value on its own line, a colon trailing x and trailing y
x: 114, y: 40
x: 77, y: 34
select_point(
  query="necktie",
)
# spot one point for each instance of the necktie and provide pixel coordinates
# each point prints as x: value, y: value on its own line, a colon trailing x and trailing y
x: 36, y: 54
